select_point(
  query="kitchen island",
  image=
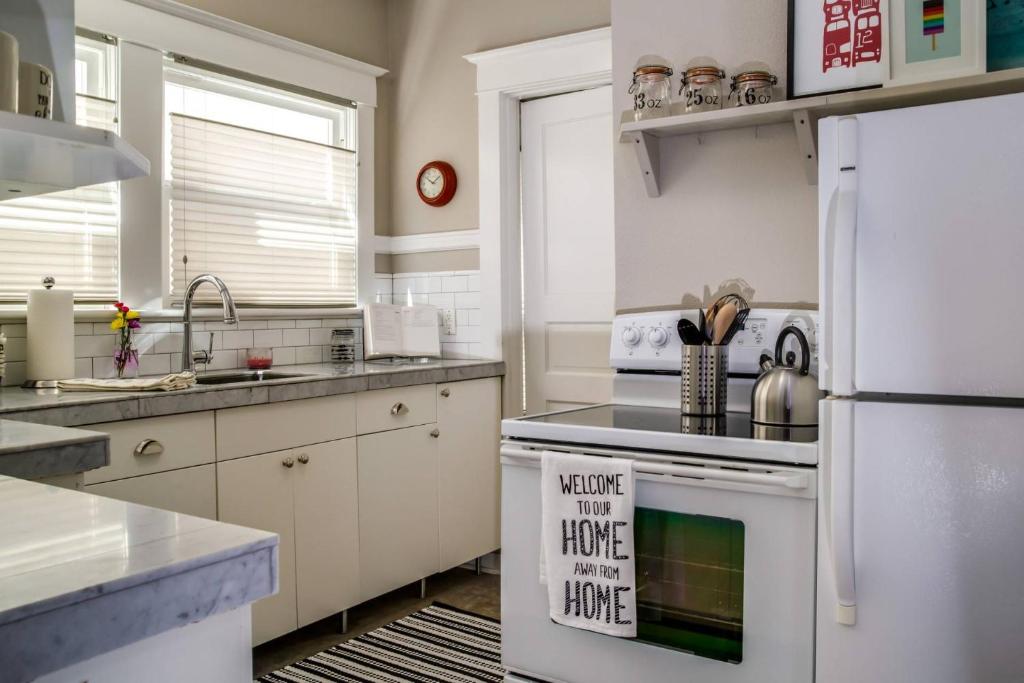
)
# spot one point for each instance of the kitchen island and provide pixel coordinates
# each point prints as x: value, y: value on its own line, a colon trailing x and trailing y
x: 98, y: 589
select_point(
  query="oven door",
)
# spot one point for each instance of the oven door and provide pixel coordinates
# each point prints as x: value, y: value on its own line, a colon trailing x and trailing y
x: 725, y: 575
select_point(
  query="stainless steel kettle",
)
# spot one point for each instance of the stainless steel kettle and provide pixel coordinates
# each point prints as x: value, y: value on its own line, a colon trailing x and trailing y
x: 785, y: 394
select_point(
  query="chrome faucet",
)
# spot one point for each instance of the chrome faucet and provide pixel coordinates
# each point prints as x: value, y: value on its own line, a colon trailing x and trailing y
x: 188, y: 358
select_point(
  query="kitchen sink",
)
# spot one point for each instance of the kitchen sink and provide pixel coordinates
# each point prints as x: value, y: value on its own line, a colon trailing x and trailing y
x: 246, y: 376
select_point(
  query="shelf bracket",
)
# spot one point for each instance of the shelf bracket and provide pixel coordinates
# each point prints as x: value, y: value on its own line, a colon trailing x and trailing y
x: 807, y: 140
x: 648, y: 154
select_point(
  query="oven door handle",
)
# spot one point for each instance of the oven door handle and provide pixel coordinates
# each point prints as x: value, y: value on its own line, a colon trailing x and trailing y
x: 684, y: 474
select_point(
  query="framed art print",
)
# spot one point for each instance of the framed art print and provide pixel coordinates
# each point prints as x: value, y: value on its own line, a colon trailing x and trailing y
x: 1005, y: 35
x: 837, y: 45
x: 934, y: 39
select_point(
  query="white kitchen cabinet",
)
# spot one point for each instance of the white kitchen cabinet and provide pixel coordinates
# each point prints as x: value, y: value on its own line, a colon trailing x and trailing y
x: 398, y: 513
x: 155, y: 444
x: 326, y: 495
x: 469, y: 479
x: 257, y: 492
x: 189, y: 491
x: 386, y: 409
x: 276, y: 426
x: 308, y: 496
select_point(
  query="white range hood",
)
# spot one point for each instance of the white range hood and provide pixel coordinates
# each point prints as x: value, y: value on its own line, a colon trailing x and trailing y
x: 38, y: 156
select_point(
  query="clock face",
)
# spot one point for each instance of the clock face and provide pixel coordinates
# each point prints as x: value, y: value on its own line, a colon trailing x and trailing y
x: 431, y: 183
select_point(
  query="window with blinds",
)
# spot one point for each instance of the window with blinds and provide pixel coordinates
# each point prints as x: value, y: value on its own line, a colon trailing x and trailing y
x: 71, y: 235
x: 261, y: 194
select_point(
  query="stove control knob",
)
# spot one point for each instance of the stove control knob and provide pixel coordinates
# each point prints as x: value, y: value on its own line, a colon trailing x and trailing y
x: 631, y: 336
x: 657, y: 337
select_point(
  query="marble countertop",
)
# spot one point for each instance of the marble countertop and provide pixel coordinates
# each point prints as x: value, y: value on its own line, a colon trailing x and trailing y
x: 33, y: 451
x: 80, y: 408
x: 81, y: 574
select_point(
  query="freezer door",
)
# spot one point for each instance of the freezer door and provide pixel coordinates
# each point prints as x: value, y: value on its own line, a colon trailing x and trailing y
x: 921, y: 237
x: 921, y: 543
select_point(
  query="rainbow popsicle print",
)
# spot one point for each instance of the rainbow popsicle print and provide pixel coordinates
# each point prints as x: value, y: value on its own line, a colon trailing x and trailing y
x: 933, y: 15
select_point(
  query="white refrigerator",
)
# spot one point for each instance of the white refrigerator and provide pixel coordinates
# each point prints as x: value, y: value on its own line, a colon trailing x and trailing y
x: 921, y: 515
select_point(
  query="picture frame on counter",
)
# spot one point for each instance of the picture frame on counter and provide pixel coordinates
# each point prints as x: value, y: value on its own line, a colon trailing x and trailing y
x: 1004, y: 37
x: 937, y: 39
x: 837, y: 46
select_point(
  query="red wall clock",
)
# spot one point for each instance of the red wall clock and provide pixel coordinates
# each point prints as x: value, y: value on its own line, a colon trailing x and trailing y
x: 436, y: 183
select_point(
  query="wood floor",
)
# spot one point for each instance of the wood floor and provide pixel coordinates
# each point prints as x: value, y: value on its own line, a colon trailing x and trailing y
x: 458, y: 587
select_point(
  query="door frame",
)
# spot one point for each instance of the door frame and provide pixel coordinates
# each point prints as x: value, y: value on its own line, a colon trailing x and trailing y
x: 504, y: 77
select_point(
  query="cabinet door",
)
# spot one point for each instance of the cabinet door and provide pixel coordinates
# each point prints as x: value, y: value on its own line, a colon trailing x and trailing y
x: 468, y: 419
x: 326, y: 529
x: 191, y: 491
x: 257, y: 492
x: 397, y: 508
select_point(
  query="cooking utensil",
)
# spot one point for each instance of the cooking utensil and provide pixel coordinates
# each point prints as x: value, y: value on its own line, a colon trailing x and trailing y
x: 702, y: 324
x: 737, y: 325
x: 689, y: 333
x: 786, y: 394
x: 723, y: 321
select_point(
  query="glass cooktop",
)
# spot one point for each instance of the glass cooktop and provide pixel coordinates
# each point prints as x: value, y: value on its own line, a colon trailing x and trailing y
x: 736, y: 425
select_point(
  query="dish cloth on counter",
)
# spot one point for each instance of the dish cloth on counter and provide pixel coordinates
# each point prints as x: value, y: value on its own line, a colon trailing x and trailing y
x: 587, y: 556
x: 171, y: 382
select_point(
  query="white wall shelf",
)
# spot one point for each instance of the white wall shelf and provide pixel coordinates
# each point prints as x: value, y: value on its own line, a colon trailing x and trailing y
x: 804, y: 113
x: 38, y: 156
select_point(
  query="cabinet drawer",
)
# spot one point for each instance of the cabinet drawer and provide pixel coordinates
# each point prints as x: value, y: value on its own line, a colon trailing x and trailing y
x: 278, y: 426
x: 385, y: 409
x: 192, y: 491
x: 155, y: 444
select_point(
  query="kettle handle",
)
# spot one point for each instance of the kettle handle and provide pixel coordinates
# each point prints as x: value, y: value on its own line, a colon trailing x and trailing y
x: 805, y: 349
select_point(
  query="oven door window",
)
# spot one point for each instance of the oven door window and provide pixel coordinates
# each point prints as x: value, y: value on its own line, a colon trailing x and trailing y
x: 689, y: 573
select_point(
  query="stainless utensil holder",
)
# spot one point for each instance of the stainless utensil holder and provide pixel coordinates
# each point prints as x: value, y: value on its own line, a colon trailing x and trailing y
x: 704, y: 376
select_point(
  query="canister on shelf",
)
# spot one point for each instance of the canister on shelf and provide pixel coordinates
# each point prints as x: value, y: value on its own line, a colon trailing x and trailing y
x: 701, y: 87
x: 754, y: 84
x: 651, y: 88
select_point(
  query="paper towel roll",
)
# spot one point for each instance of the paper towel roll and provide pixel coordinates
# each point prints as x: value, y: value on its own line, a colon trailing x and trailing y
x: 8, y: 72
x: 51, y: 334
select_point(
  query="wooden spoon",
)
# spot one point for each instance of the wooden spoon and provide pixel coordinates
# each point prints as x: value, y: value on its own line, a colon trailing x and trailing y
x: 723, y: 321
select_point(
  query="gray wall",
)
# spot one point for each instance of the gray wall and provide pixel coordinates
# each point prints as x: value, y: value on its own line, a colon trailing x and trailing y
x: 734, y: 204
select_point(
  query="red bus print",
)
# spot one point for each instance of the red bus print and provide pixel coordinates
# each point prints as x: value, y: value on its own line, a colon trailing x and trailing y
x: 867, y: 37
x: 835, y: 45
x: 852, y: 35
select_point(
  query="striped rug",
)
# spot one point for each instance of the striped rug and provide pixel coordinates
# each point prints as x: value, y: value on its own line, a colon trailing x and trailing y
x: 439, y: 644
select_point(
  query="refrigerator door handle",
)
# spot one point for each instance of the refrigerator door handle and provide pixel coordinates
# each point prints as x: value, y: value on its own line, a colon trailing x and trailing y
x: 837, y: 437
x: 841, y: 242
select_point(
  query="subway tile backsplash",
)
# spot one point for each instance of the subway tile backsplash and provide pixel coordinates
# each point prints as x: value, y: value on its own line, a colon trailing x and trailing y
x: 297, y: 341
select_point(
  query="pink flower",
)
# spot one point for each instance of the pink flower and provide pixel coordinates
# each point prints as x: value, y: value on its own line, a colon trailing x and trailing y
x: 134, y: 324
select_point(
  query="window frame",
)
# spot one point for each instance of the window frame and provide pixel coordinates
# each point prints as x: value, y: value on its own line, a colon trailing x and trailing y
x: 147, y: 33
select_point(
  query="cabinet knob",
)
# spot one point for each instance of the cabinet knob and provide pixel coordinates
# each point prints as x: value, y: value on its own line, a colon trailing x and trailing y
x: 303, y: 458
x: 399, y: 409
x: 288, y: 462
x: 149, y: 447
x: 435, y: 433
x: 445, y: 393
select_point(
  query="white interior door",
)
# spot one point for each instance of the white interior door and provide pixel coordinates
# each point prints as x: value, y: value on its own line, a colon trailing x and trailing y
x: 568, y: 248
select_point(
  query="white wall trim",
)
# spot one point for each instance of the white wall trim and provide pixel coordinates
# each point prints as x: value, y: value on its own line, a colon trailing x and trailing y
x: 203, y: 18
x: 505, y: 76
x: 544, y: 66
x: 171, y: 27
x: 432, y: 241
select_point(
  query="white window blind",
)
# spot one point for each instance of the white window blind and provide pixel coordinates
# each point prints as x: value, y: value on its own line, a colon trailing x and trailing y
x: 70, y: 235
x: 274, y: 216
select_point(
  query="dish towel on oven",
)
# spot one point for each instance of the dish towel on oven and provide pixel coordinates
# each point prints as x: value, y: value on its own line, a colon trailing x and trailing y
x: 587, y: 542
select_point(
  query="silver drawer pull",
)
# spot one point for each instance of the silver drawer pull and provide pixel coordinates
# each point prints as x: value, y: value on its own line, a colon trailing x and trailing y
x: 288, y: 462
x: 149, y: 447
x: 399, y: 409
x: 445, y: 393
x: 435, y: 433
x: 303, y: 458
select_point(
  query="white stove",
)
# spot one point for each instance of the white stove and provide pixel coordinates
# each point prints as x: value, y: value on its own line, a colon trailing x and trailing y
x: 725, y: 589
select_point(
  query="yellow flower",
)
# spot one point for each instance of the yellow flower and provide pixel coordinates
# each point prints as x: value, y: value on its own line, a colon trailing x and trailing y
x: 117, y: 323
x: 132, y: 315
